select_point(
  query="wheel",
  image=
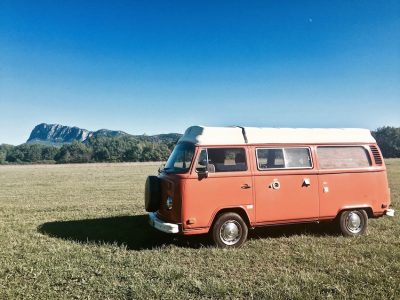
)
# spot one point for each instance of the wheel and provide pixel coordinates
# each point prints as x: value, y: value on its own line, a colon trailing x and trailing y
x: 353, y: 222
x: 229, y: 231
x: 152, y: 194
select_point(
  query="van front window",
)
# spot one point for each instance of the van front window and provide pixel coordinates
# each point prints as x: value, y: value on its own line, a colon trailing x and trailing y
x: 180, y: 159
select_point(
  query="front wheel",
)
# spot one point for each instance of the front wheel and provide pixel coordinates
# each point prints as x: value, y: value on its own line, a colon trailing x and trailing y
x: 229, y: 231
x: 353, y: 222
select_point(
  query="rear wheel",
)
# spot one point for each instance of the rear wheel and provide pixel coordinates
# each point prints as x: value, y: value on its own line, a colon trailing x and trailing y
x: 229, y: 231
x: 353, y: 222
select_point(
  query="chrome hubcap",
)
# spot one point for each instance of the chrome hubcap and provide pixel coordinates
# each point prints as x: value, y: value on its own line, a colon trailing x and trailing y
x: 230, y: 232
x: 353, y: 222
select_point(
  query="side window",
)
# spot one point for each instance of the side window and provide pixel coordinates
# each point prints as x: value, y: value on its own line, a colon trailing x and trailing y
x: 202, y: 158
x: 223, y: 159
x: 202, y: 161
x: 345, y: 157
x: 297, y: 158
x: 270, y: 159
x: 283, y: 158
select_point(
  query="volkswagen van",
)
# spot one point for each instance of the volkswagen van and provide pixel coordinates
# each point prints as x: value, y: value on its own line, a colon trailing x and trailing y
x: 227, y: 180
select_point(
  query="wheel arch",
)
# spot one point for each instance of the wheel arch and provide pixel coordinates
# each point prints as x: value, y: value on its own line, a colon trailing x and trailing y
x: 237, y: 209
x: 367, y: 208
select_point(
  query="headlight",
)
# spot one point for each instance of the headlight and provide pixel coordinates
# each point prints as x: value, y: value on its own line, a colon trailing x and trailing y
x: 169, y: 203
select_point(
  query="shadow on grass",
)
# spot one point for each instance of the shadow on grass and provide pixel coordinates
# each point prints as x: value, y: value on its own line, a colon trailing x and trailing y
x: 135, y: 233
x: 308, y: 229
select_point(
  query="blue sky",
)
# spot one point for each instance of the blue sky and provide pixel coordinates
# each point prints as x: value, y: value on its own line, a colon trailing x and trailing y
x: 160, y: 66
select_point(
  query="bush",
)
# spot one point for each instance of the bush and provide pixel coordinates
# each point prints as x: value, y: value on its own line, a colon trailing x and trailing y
x: 75, y: 152
x: 388, y: 139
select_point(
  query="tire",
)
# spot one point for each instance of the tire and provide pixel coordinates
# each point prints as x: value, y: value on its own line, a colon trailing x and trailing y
x: 353, y: 222
x: 229, y: 231
x: 152, y: 194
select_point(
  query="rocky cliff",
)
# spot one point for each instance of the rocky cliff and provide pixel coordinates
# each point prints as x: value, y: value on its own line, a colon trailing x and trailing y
x: 60, y: 134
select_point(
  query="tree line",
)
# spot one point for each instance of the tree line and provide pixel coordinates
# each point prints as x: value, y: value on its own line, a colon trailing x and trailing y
x: 388, y: 139
x: 137, y: 148
x: 95, y: 149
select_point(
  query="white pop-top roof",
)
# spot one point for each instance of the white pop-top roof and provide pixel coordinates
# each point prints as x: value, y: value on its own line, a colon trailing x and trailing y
x: 203, y: 135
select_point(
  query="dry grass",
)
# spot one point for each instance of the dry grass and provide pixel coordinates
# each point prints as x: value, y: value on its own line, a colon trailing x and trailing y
x: 80, y: 231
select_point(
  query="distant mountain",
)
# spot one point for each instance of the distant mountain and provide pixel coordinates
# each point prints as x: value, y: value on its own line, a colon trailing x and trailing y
x: 109, y: 133
x: 56, y: 134
x: 60, y: 134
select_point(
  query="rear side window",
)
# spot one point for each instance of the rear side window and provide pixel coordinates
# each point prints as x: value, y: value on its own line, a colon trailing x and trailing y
x: 283, y: 158
x: 223, y: 159
x: 343, y: 157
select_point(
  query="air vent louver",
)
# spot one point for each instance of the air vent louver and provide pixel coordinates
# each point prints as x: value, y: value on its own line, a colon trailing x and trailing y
x: 376, y: 154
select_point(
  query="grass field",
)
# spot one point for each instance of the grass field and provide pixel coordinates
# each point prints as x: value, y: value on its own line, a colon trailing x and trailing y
x: 80, y: 232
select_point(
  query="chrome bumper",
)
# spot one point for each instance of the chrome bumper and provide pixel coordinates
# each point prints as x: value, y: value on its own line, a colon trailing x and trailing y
x: 161, y: 225
x: 389, y: 212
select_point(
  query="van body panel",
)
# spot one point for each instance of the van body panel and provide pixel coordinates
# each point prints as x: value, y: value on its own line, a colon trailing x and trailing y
x: 275, y: 195
x: 340, y: 190
x: 204, y: 198
x: 297, y: 195
x: 292, y: 201
x: 193, y: 231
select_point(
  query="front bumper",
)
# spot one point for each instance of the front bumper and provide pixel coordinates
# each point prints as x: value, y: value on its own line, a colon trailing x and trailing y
x: 161, y: 225
x: 389, y: 212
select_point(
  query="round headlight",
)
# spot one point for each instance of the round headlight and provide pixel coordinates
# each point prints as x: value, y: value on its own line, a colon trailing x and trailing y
x: 169, y: 202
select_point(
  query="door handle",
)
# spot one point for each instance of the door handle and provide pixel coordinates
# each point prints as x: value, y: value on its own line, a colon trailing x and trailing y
x: 306, y: 182
x: 245, y: 186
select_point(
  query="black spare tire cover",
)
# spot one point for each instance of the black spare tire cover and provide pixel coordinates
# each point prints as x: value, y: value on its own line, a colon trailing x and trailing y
x: 152, y: 193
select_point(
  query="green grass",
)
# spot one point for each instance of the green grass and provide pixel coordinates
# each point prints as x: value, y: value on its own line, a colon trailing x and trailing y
x: 80, y: 232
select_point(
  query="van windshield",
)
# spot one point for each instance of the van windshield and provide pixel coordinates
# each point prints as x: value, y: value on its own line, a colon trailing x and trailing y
x: 180, y: 159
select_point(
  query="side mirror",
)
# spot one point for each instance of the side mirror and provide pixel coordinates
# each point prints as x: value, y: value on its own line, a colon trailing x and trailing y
x: 202, y: 171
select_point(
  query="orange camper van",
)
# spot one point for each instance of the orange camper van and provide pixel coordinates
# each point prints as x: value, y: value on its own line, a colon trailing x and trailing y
x: 227, y: 180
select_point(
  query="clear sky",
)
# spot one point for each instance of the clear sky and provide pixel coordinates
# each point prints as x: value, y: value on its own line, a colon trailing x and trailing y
x: 160, y: 66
